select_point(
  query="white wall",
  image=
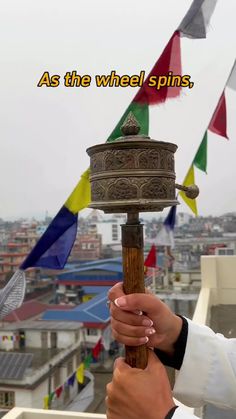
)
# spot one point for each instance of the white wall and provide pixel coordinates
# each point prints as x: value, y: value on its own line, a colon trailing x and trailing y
x: 33, y: 339
x: 38, y: 395
x: 23, y: 398
x: 219, y: 274
x: 64, y: 338
x: 6, y: 345
x: 105, y: 229
x: 93, y: 338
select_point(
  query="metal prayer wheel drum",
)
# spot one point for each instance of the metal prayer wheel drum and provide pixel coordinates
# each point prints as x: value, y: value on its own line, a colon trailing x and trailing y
x: 133, y: 174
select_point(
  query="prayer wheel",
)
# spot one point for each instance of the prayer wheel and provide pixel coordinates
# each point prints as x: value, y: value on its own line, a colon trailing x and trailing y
x: 134, y: 174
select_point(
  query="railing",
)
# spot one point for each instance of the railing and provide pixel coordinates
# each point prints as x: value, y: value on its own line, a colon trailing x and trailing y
x: 23, y: 413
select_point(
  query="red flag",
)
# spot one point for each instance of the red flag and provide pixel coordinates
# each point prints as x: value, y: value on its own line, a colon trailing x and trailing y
x: 58, y: 391
x: 151, y: 259
x: 97, y: 349
x: 218, y: 123
x: 169, y: 61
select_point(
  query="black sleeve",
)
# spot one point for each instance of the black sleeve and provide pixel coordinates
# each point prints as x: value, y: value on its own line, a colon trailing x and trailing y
x: 176, y: 360
x: 171, y: 412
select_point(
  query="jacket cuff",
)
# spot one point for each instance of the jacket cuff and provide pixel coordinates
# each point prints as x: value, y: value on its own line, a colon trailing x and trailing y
x: 176, y: 360
x: 171, y: 412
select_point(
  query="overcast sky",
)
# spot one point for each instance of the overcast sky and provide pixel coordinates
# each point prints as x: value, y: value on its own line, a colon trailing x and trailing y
x: 44, y: 132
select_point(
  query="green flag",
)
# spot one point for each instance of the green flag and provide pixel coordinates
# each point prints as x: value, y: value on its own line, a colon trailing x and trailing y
x: 87, y: 361
x: 200, y: 159
x: 140, y: 112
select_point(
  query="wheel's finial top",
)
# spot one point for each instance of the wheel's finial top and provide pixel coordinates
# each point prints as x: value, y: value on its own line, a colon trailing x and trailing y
x: 130, y: 125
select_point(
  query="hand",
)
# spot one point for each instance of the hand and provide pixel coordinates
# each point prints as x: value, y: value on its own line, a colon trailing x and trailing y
x: 158, y: 327
x: 138, y: 394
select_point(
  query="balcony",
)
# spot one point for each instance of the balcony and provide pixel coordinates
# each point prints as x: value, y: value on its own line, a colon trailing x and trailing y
x: 23, y: 413
x: 216, y: 307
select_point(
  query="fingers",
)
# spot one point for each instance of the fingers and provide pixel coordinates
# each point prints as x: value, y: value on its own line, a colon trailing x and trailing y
x: 129, y: 318
x: 130, y: 341
x: 131, y: 335
x: 144, y: 302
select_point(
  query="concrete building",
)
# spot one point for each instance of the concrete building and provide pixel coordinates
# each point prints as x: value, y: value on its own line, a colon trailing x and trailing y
x: 93, y: 314
x: 87, y: 247
x: 41, y: 358
x: 182, y: 218
x: 11, y: 258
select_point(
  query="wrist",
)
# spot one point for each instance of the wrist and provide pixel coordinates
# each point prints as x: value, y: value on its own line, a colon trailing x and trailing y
x: 172, y: 335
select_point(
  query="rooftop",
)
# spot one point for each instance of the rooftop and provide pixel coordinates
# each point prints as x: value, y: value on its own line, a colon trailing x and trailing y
x: 43, y: 325
x: 13, y: 365
x: 94, y: 311
x: 32, y: 308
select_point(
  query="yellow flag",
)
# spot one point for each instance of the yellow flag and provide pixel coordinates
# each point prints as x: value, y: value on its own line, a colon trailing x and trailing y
x: 189, y: 180
x: 80, y: 373
x: 80, y: 198
x: 46, y: 402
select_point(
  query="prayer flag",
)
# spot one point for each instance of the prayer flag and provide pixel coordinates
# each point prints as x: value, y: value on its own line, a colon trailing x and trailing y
x: 165, y: 237
x: 200, y: 159
x: 189, y: 180
x: 218, y: 123
x: 151, y: 260
x: 195, y: 22
x: 80, y: 374
x: 46, y: 402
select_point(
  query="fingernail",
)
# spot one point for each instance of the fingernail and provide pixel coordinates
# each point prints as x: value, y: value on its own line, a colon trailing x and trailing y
x: 150, y: 331
x: 144, y: 340
x: 147, y: 322
x: 120, y: 302
x: 139, y: 313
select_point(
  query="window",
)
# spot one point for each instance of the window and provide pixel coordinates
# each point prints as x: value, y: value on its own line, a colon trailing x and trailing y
x: 114, y: 232
x: 7, y: 399
x: 92, y: 332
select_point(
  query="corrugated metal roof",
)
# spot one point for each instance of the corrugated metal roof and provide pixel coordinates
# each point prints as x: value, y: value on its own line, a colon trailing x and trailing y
x: 28, y: 310
x: 42, y: 325
x: 94, y: 310
x: 110, y: 267
x: 13, y: 365
x: 95, y: 289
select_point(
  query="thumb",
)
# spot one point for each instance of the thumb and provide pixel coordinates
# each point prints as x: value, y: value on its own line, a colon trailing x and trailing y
x: 148, y: 303
x: 120, y: 367
x: 116, y: 291
x: 153, y: 361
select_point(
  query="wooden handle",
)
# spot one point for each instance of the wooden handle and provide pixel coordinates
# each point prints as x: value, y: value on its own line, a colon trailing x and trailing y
x: 133, y: 270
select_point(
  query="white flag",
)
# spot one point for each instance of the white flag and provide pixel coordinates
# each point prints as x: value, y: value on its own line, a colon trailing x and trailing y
x: 232, y: 78
x: 197, y: 19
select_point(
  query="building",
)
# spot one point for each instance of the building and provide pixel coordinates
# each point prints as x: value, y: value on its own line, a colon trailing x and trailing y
x: 87, y: 247
x: 38, y: 358
x: 105, y: 272
x: 93, y: 314
x: 11, y: 258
